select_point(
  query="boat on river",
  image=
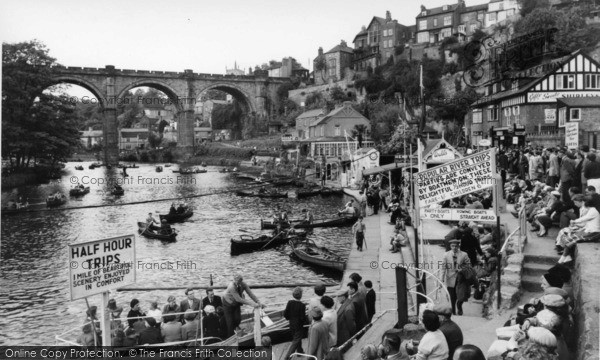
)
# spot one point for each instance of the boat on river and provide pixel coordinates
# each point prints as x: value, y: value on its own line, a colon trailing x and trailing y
x: 144, y: 230
x: 159, y: 169
x: 118, y: 191
x: 200, y: 171
x: 308, y: 252
x: 177, y: 217
x: 79, y: 167
x: 335, y: 222
x: 270, y: 224
x: 79, y: 191
x: 56, y: 200
x: 248, y: 243
x: 272, y: 194
x: 15, y: 206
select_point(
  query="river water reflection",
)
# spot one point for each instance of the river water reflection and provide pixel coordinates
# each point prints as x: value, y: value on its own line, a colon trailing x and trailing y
x: 34, y: 296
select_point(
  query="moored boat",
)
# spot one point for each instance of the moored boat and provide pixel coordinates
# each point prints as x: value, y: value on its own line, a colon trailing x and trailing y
x: 269, y: 224
x: 79, y: 167
x: 159, y: 169
x: 145, y: 231
x: 248, y: 243
x: 118, y: 191
x: 79, y: 191
x: 261, y: 195
x: 171, y: 218
x: 335, y: 222
x: 200, y: 171
x: 310, y: 253
x: 56, y: 200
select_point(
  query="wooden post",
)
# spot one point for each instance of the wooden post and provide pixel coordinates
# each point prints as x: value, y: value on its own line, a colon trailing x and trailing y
x: 402, y: 293
x: 93, y: 323
x: 105, y: 324
x: 257, y: 336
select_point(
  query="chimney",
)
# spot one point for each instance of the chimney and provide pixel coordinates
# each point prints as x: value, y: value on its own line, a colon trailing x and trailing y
x: 343, y: 43
x: 320, y: 51
x: 423, y: 8
x: 363, y: 28
x: 388, y: 15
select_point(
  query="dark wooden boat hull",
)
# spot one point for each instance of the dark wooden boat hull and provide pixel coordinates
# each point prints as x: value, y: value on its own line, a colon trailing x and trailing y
x: 337, y: 222
x: 56, y: 202
x: 305, y: 256
x: 79, y: 192
x: 159, y: 169
x: 248, y: 243
x: 250, y: 193
x: 172, y: 218
x: 118, y: 192
x: 152, y: 235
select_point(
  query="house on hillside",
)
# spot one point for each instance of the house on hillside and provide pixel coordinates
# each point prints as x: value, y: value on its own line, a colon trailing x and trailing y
x: 329, y: 135
x: 304, y: 121
x: 376, y: 43
x: 471, y: 18
x: 526, y: 110
x: 288, y: 68
x: 132, y: 139
x: 501, y: 10
x: 336, y: 61
x: 91, y: 137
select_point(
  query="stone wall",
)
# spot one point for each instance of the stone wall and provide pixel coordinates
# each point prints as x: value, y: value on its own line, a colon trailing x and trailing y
x: 299, y: 95
x: 586, y: 288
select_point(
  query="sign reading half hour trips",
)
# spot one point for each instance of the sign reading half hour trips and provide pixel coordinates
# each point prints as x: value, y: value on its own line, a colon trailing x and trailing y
x: 101, y: 265
x: 456, y: 178
x: 459, y: 214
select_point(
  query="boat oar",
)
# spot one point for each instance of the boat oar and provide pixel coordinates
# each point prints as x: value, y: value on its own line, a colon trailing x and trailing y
x: 274, y: 237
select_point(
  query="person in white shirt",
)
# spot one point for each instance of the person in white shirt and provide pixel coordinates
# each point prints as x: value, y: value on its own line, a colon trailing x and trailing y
x: 433, y: 345
x: 330, y: 317
x: 587, y: 225
x: 155, y: 312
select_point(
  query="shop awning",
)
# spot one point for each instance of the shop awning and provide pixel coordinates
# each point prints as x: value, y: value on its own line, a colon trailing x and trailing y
x: 384, y: 168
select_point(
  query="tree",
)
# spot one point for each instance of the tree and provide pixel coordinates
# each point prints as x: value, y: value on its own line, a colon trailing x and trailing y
x: 320, y: 65
x: 359, y: 131
x: 34, y: 124
x: 527, y: 6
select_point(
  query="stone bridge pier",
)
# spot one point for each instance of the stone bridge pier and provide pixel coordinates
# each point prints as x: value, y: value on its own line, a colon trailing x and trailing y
x: 184, y: 90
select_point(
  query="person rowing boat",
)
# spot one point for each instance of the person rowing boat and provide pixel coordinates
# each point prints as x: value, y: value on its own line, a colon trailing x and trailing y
x: 348, y: 210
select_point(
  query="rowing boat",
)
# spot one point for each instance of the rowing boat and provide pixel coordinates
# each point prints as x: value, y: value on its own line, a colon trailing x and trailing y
x: 312, y: 254
x: 145, y: 231
x: 248, y: 243
x: 171, y: 218
x: 56, y: 200
x: 79, y: 191
x: 335, y: 222
x: 261, y: 195
x: 269, y: 225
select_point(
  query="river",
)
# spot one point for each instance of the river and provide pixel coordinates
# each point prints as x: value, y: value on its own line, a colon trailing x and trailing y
x: 34, y: 293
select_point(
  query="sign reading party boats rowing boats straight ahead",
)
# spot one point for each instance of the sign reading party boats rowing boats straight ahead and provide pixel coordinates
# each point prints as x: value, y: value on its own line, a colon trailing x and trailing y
x: 456, y: 178
x: 101, y: 265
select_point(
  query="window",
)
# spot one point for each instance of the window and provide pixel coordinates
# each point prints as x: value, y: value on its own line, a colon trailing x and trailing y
x: 506, y: 112
x: 462, y: 28
x: 575, y: 115
x: 337, y: 130
x: 565, y: 81
x: 592, y: 81
x: 422, y: 24
x: 384, y: 32
x: 434, y: 22
x: 472, y: 28
x: 447, y: 20
x: 390, y: 43
x: 424, y: 13
x: 517, y: 112
x: 322, y: 130
x: 477, y: 118
x: 562, y: 114
x: 423, y: 37
x: 445, y: 33
x: 493, y: 113
x: 445, y: 8
x: 480, y: 16
x: 492, y: 17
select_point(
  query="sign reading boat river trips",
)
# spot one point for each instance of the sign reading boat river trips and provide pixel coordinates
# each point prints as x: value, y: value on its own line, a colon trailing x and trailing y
x: 456, y: 178
x: 459, y: 214
x: 101, y: 265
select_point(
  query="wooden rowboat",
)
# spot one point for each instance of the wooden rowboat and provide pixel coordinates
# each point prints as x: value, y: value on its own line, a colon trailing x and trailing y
x: 269, y: 225
x: 248, y: 243
x: 308, y: 252
x: 335, y: 222
x: 56, y: 200
x: 172, y: 218
x: 79, y: 191
x: 261, y: 195
x: 145, y: 231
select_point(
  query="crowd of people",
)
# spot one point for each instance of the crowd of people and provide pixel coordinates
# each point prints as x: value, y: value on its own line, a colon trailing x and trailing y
x: 557, y: 188
x: 212, y: 318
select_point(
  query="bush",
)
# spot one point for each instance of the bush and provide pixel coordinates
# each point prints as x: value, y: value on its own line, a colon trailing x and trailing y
x: 144, y: 157
x: 131, y: 157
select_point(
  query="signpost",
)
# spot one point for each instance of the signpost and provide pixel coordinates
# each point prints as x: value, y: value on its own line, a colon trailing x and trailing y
x: 95, y: 267
x: 459, y: 214
x: 460, y: 177
x: 572, y: 135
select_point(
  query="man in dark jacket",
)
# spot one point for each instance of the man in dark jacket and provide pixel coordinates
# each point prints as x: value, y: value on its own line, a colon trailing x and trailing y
x: 151, y: 334
x: 295, y: 313
x: 470, y: 245
x: 360, y: 308
x: 370, y: 300
x: 567, y: 175
x: 451, y: 331
x: 211, y: 299
x: 191, y: 303
x: 346, y: 324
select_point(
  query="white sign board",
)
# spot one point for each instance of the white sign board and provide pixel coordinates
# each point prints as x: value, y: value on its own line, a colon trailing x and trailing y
x: 485, y: 142
x: 464, y: 176
x: 551, y: 96
x: 550, y: 117
x: 442, y: 155
x: 572, y: 135
x: 101, y: 265
x: 459, y: 214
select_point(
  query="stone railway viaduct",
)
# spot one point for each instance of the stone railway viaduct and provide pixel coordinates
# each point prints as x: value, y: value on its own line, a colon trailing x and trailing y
x: 109, y: 85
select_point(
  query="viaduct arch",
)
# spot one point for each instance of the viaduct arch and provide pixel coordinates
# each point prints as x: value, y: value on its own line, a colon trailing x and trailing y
x: 182, y: 88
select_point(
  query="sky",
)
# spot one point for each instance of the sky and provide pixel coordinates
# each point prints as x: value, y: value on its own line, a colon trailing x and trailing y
x: 205, y: 36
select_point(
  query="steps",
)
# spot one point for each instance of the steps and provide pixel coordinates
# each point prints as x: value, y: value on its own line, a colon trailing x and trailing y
x: 534, y: 267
